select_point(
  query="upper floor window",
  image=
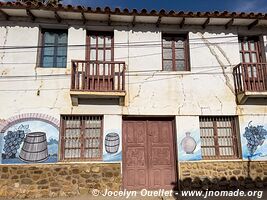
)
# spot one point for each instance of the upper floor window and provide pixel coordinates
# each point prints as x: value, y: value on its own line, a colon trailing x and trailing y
x: 81, y: 137
x: 175, y: 52
x: 54, y: 48
x: 218, y: 137
x: 100, y: 46
x: 250, y: 49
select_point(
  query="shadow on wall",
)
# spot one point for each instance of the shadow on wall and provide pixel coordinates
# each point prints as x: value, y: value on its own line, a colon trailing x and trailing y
x: 216, y: 188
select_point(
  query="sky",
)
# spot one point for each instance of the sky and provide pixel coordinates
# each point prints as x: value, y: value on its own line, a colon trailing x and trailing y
x: 178, y: 5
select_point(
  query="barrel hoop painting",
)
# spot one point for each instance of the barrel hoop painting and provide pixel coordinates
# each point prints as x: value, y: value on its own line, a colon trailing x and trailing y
x: 29, y: 138
x: 112, y: 146
x: 112, y: 143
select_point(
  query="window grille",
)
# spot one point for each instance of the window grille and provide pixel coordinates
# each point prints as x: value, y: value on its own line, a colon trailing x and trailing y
x: 218, y: 137
x: 81, y: 137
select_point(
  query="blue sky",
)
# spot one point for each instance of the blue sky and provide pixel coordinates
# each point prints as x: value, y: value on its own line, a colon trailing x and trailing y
x: 178, y: 5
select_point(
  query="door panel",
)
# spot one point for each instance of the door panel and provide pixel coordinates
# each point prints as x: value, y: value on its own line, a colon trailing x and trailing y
x: 148, y: 155
x: 161, y: 165
x: 134, y: 155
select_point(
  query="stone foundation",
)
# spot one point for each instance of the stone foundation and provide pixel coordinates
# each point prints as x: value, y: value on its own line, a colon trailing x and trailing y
x: 52, y: 180
x: 223, y: 175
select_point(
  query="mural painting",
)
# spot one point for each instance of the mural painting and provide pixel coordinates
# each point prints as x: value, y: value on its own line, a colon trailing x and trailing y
x: 254, y: 141
x: 31, y: 141
x: 189, y: 146
x: 112, y: 150
x: 188, y: 138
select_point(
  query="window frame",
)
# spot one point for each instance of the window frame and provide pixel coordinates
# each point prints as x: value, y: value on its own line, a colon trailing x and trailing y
x: 259, y: 48
x: 99, y: 33
x: 42, y: 33
x: 186, y: 51
x: 62, y: 139
x: 235, y: 138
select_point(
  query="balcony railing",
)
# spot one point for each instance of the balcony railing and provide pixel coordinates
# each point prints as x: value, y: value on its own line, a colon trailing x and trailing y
x: 250, y: 77
x: 98, y: 76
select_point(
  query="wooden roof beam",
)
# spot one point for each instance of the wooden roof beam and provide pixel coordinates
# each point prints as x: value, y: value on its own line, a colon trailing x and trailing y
x: 134, y: 21
x: 158, y: 21
x: 253, y: 24
x: 228, y: 24
x: 4, y: 14
x: 182, y: 23
x: 58, y: 18
x: 83, y: 17
x: 29, y: 13
x: 206, y: 23
x: 109, y: 20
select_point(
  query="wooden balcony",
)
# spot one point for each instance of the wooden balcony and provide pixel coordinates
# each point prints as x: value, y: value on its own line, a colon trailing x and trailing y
x: 250, y: 81
x: 97, y: 80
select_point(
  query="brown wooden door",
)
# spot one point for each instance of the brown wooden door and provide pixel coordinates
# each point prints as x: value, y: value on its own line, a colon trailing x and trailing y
x: 148, y: 154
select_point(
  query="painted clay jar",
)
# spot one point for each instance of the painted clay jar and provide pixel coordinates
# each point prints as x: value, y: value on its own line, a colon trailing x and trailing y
x: 188, y: 144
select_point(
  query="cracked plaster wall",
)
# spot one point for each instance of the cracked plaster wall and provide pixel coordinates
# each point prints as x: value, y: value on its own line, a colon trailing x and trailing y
x: 206, y: 90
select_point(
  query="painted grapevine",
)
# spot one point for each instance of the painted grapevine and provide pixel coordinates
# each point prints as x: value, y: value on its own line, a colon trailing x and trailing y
x: 255, y: 136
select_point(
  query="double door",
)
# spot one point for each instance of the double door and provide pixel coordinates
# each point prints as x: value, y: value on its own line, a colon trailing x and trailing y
x: 148, y: 154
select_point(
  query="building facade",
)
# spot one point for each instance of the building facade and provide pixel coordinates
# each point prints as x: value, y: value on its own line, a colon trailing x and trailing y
x: 127, y: 99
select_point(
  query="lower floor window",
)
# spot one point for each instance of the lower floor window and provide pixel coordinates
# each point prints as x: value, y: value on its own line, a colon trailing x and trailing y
x: 81, y: 137
x: 218, y: 137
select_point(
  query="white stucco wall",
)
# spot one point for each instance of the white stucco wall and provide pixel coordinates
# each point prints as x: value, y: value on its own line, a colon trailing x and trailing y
x: 207, y: 89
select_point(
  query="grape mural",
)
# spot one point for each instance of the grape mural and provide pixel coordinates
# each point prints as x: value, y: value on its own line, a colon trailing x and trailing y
x: 15, y: 138
x: 255, y: 136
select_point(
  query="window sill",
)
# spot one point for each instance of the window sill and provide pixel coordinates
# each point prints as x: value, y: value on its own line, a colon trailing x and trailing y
x: 219, y: 160
x: 175, y: 72
x: 41, y: 67
x: 52, y: 71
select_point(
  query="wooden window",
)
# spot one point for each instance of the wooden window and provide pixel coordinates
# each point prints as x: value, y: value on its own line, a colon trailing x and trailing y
x: 218, y: 137
x: 54, y: 48
x: 175, y: 52
x: 100, y: 46
x: 250, y: 49
x: 81, y: 137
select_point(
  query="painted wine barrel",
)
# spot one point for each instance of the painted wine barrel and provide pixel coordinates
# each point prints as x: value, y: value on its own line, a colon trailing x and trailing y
x: 34, y: 148
x: 112, y: 143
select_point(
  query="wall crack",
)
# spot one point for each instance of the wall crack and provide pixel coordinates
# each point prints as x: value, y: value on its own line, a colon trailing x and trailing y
x: 222, y: 65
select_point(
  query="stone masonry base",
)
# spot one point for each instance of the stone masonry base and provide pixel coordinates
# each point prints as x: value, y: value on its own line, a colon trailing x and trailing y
x: 73, y: 179
x: 223, y: 175
x: 52, y: 180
